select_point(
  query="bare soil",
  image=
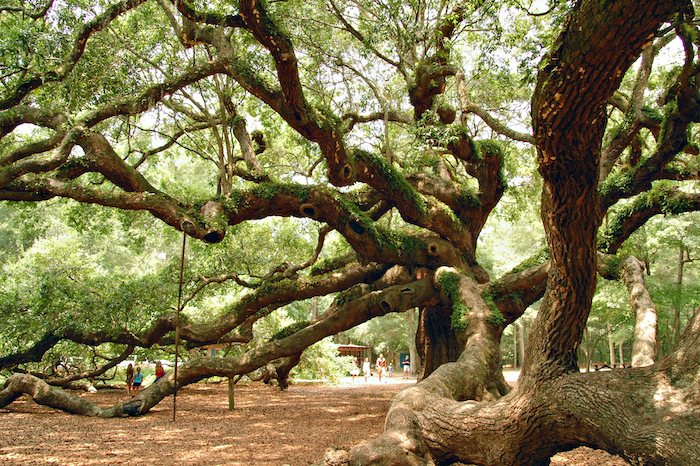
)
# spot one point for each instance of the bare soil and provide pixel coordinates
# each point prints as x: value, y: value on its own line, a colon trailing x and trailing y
x: 267, y: 427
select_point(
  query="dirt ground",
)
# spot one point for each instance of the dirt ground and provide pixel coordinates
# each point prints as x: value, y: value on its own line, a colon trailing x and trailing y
x: 267, y: 427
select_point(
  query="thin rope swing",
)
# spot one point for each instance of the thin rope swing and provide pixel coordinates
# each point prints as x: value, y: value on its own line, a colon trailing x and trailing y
x: 177, y: 320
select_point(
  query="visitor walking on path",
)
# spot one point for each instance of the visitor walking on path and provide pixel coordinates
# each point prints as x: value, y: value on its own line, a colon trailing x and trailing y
x: 381, y: 366
x: 366, y: 369
x: 129, y: 378
x: 355, y: 369
x: 406, y: 367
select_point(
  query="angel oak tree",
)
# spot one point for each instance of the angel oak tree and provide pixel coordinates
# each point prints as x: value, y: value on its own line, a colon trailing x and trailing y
x: 368, y: 110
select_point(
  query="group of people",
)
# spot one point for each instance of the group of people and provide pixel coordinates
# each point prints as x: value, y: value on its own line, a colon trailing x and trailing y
x: 380, y: 366
x: 135, y: 379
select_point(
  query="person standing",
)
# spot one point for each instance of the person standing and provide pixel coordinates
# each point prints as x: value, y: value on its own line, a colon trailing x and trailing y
x: 381, y: 366
x: 406, y: 367
x: 366, y: 369
x: 129, y: 378
x: 160, y: 372
x: 355, y: 369
x: 138, y: 379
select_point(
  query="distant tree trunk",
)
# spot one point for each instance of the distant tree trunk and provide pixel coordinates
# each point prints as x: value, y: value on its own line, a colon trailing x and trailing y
x: 521, y: 342
x: 645, y: 331
x: 515, y: 345
x: 436, y: 341
x: 622, y: 356
x: 588, y: 349
x: 415, y: 361
x: 611, y: 345
x: 231, y: 394
x: 683, y: 257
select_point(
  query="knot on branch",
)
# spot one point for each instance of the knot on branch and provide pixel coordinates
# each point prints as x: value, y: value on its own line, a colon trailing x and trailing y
x: 211, y: 227
x: 386, y: 306
x: 357, y: 227
x: 345, y: 173
x: 188, y: 227
x: 215, y: 219
x: 433, y: 249
x: 308, y: 210
x: 132, y: 408
x: 447, y: 114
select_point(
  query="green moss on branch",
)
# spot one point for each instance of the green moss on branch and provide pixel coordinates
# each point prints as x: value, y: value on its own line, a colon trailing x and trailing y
x: 449, y: 284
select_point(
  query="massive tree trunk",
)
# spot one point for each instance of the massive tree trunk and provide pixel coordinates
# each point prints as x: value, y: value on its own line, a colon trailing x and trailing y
x: 555, y: 407
x: 462, y: 409
x: 437, y: 342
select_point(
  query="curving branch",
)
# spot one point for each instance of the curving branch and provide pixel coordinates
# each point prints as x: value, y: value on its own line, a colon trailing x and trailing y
x: 366, y: 43
x: 646, y: 205
x: 203, y: 223
x: 467, y: 107
x: 155, y: 94
x: 68, y: 381
x: 393, y: 299
x: 239, y: 314
x: 514, y: 292
x: 684, y: 109
x: 37, y: 12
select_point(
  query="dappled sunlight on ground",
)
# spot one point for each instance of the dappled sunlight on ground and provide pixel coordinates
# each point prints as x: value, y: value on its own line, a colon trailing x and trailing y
x: 268, y: 427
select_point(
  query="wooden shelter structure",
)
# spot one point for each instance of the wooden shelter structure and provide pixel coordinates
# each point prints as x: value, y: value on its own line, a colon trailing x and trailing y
x: 358, y: 351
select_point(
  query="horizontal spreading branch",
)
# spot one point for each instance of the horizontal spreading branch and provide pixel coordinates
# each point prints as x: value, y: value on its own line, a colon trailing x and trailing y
x: 237, y: 316
x: 396, y: 298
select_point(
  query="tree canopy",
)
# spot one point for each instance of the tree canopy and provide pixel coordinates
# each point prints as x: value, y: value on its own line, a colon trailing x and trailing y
x: 355, y: 154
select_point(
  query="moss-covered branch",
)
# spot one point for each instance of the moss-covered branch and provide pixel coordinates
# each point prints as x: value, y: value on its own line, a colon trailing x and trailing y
x: 626, y: 220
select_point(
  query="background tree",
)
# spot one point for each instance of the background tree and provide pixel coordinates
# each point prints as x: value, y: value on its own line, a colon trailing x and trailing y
x: 392, y: 131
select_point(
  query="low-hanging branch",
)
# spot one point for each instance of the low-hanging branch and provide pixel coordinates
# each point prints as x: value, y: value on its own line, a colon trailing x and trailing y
x: 396, y: 298
x: 238, y: 313
x: 66, y: 381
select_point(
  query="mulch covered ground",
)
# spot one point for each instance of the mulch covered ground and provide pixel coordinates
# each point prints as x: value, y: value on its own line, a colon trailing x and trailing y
x: 268, y: 427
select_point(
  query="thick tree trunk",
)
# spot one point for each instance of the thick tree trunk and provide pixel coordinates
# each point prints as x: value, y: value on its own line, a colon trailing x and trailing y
x: 555, y: 407
x: 427, y: 426
x: 437, y: 343
x: 476, y: 375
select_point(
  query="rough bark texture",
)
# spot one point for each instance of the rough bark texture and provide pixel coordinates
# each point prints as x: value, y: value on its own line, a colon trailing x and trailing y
x: 644, y: 349
x: 437, y: 342
x: 462, y: 409
x: 569, y: 120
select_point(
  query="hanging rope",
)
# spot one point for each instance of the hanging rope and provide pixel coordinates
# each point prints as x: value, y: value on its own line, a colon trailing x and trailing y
x: 177, y: 320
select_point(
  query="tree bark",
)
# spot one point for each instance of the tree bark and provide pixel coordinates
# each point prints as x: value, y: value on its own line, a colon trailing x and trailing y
x: 555, y: 407
x: 644, y: 348
x: 436, y: 342
x: 426, y: 426
x: 611, y: 345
